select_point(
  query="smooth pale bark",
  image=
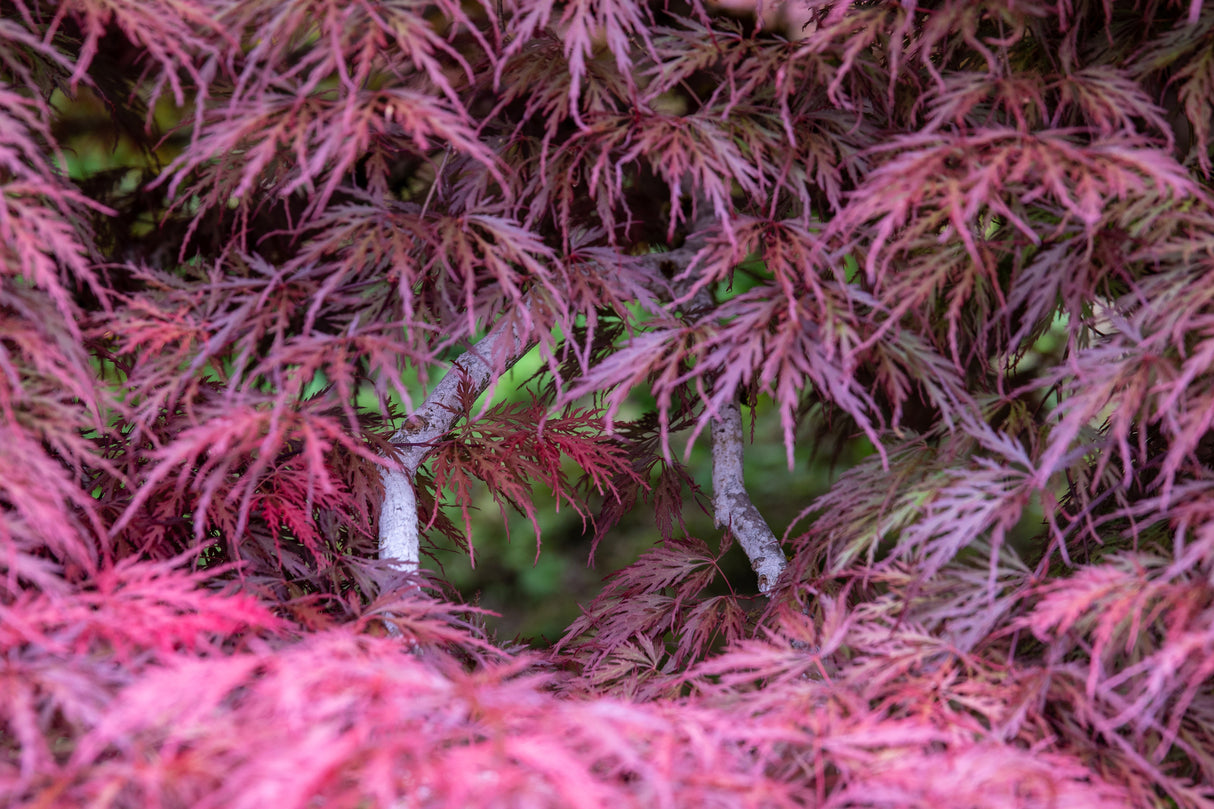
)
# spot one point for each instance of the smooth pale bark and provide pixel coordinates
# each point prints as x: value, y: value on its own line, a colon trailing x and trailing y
x: 731, y: 503
x: 506, y: 342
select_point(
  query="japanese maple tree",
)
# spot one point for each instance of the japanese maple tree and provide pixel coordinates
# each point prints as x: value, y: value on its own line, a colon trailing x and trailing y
x: 260, y: 259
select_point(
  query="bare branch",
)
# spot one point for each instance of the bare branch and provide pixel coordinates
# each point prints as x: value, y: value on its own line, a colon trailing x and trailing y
x: 732, y: 507
x: 398, y: 533
x: 505, y: 343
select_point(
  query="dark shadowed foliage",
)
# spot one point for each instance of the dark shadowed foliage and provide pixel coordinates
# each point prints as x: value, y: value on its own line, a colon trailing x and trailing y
x: 259, y: 259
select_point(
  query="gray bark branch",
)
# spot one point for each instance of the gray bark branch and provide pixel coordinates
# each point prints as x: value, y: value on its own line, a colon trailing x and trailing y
x: 731, y: 503
x: 506, y: 342
x: 732, y: 507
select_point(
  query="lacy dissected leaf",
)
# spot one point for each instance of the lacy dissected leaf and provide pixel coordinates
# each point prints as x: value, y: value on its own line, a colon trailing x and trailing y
x: 963, y: 247
x: 513, y: 446
x: 657, y: 608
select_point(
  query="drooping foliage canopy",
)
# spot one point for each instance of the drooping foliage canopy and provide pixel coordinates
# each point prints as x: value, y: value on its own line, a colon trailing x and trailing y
x: 244, y: 244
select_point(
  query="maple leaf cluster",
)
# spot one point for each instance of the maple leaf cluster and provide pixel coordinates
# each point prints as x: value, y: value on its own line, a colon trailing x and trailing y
x: 260, y: 258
